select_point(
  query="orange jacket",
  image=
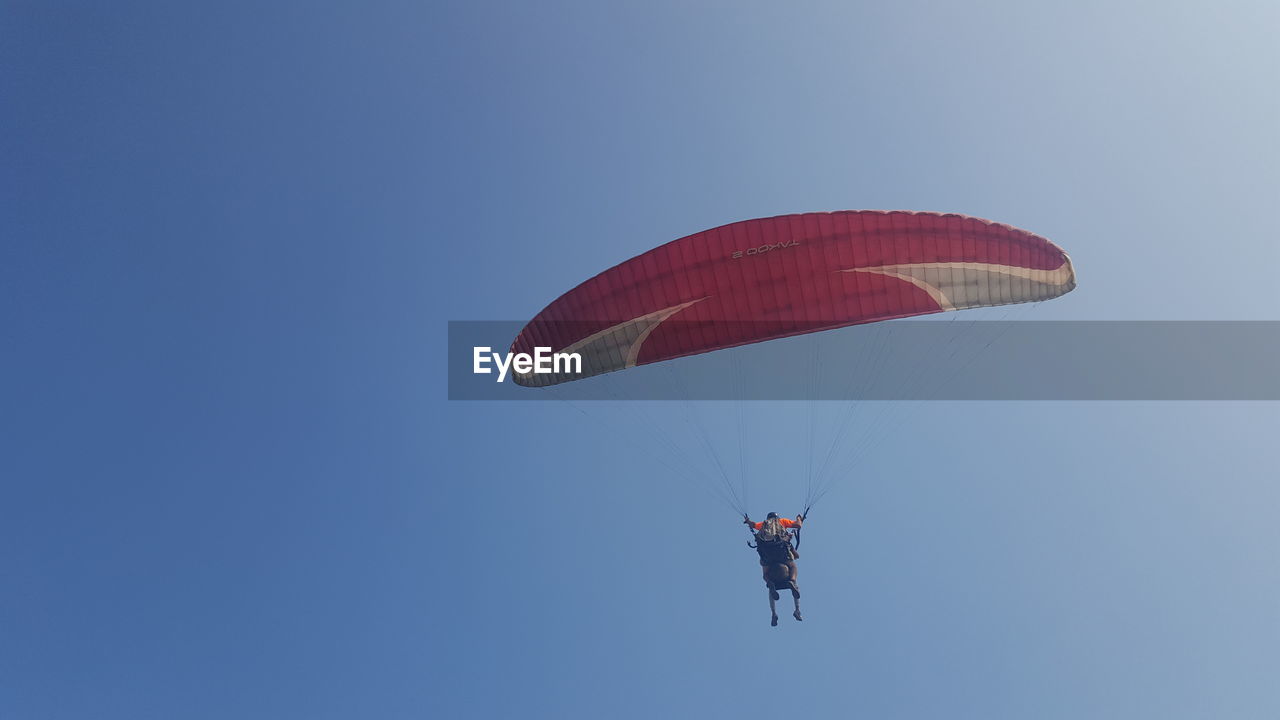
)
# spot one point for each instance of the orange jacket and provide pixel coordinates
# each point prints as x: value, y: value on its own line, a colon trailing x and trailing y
x: 784, y: 522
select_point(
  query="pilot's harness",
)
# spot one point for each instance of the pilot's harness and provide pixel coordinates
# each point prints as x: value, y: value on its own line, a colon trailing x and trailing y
x: 796, y: 533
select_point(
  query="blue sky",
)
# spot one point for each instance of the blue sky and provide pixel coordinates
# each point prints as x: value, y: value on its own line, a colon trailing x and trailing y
x: 231, y: 484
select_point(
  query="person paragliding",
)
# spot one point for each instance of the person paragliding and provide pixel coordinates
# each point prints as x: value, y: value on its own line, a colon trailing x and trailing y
x: 775, y: 544
x: 766, y: 279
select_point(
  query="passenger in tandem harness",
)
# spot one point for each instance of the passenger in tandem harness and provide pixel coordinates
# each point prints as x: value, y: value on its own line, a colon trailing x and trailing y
x: 774, y: 542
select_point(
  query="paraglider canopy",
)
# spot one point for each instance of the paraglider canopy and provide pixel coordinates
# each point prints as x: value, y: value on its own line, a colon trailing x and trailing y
x: 758, y: 280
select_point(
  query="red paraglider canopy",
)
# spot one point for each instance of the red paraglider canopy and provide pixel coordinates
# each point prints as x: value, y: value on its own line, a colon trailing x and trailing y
x: 763, y: 279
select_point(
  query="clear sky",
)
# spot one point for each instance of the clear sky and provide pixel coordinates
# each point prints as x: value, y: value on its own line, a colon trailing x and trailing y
x: 231, y: 485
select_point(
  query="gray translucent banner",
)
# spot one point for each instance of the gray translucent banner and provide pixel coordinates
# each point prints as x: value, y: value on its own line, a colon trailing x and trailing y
x: 945, y: 359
